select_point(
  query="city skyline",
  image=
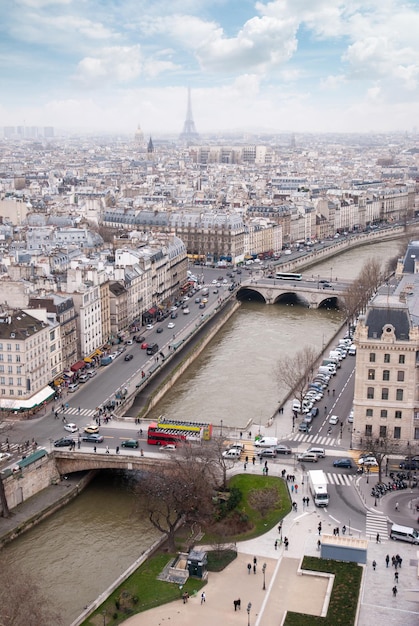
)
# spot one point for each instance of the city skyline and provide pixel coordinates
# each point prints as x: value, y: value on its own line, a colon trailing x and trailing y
x: 252, y: 66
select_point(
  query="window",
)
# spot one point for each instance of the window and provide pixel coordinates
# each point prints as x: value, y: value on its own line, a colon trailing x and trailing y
x: 416, y: 433
x: 19, y: 381
x: 11, y: 381
x: 19, y: 369
x: 383, y: 431
x: 386, y: 358
x: 370, y: 393
x: 401, y: 359
x: 17, y: 348
x: 18, y: 358
x: 383, y: 413
x: 397, y: 432
x: 369, y: 412
x: 9, y: 346
x: 400, y: 376
x: 398, y: 415
x: 371, y: 374
x: 10, y: 369
x: 399, y: 394
x: 386, y: 375
x: 384, y: 393
x: 2, y: 380
x: 372, y: 357
x: 368, y: 430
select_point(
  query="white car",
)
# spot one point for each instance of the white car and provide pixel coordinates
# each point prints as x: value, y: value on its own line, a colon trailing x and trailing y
x: 4, y: 456
x: 368, y: 461
x: 170, y: 447
x: 170, y: 325
x: 72, y: 428
x: 149, y: 326
x: 333, y: 420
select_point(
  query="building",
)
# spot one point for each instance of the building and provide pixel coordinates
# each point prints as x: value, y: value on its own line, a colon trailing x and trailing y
x: 25, y: 366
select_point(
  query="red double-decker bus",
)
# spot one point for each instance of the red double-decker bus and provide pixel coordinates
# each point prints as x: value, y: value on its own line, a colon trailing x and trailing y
x: 161, y: 437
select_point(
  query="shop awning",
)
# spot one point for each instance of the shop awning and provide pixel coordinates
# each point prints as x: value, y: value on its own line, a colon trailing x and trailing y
x: 87, y: 359
x: 78, y: 366
x: 152, y: 311
x: 23, y: 405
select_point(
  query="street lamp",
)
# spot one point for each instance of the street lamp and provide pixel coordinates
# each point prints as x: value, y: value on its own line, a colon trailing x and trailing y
x: 263, y: 572
x: 104, y: 617
x: 318, y: 281
x: 368, y: 475
x: 221, y: 428
x: 249, y: 606
x: 331, y: 272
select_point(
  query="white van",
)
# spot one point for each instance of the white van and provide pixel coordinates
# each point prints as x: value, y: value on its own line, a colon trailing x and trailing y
x: 266, y: 442
x: 233, y: 453
x: 404, y: 533
x: 352, y: 350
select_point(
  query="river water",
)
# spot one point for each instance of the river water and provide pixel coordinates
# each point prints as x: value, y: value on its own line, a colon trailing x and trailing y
x: 81, y: 549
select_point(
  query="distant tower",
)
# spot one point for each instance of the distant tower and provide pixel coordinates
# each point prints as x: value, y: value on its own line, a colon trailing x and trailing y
x: 139, y: 136
x: 150, y: 149
x: 189, y: 132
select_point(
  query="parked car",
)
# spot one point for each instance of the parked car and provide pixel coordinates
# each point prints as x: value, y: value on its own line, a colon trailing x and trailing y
x: 304, y: 427
x: 409, y: 465
x: 333, y: 420
x: 267, y: 452
x: 72, y: 387
x: 92, y: 373
x: 93, y: 438
x: 129, y: 443
x: 72, y: 428
x: 83, y: 378
x: 63, y: 442
x: 128, y: 357
x: 347, y: 463
x: 149, y: 327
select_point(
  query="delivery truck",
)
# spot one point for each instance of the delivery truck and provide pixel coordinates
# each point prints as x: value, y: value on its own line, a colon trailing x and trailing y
x: 318, y: 486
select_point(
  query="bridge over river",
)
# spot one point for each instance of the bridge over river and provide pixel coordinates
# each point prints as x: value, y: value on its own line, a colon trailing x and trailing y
x: 313, y: 293
x: 68, y: 462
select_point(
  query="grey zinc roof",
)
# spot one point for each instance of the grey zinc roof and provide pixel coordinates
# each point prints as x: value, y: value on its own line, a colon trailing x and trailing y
x: 378, y: 317
x: 412, y: 253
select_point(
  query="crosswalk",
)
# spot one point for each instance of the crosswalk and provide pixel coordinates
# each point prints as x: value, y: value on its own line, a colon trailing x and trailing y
x: 75, y: 411
x: 376, y: 524
x: 340, y: 480
x: 318, y: 439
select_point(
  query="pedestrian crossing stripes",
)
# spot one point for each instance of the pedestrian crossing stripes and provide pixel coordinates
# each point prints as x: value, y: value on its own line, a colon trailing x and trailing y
x: 376, y: 525
x: 325, y: 441
x: 345, y: 480
x: 75, y: 411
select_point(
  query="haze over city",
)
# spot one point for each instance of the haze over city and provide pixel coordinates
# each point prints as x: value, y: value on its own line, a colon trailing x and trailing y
x: 285, y: 65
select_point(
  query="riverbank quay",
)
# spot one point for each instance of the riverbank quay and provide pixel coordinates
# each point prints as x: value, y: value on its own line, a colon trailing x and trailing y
x: 40, y: 506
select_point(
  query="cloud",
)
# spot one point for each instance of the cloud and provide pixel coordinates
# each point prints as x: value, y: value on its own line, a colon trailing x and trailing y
x: 117, y: 63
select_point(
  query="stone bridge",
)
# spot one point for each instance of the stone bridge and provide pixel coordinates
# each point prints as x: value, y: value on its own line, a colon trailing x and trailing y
x: 68, y: 462
x: 311, y: 295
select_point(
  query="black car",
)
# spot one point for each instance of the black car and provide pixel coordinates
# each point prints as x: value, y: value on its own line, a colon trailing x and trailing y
x: 93, y: 438
x: 343, y: 463
x: 63, y: 442
x: 409, y: 465
x: 173, y: 315
x: 128, y: 357
x: 160, y: 329
x: 139, y: 339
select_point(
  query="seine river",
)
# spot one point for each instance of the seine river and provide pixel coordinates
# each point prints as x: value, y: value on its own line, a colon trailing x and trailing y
x: 80, y: 550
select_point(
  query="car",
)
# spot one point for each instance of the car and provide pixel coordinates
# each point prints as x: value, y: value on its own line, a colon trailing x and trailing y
x: 347, y: 463
x: 204, y: 300
x: 139, y: 339
x: 144, y: 345
x: 160, y: 329
x: 308, y: 418
x: 171, y: 325
x: 233, y: 453
x: 128, y: 357
x: 197, y: 300
x: 169, y: 447
x: 281, y: 448
x: 409, y: 465
x: 202, y: 305
x: 149, y: 327
x: 173, y: 309
x: 93, y: 438
x: 351, y: 417
x: 173, y: 316
x: 72, y: 387
x: 220, y: 278
x: 92, y: 373
x: 269, y: 452
x: 225, y: 282
x: 368, y: 461
x: 63, y: 442
x: 129, y: 443
x: 308, y: 456
x: 72, y: 428
x: 83, y: 378
x: 215, y: 291
x: 129, y: 342
x: 238, y: 446
x: 91, y: 428
x: 314, y: 411
x: 214, y: 282
x: 304, y: 427
x: 333, y: 420
x: 4, y: 456
x: 412, y: 458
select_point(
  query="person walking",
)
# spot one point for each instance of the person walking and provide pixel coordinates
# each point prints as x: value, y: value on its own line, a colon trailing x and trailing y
x: 276, y: 544
x: 396, y: 577
x: 396, y: 507
x: 286, y: 543
x: 377, y: 539
x: 394, y: 591
x: 319, y: 528
x: 249, y: 567
x: 374, y: 565
x: 387, y: 560
x: 107, y: 449
x: 203, y: 598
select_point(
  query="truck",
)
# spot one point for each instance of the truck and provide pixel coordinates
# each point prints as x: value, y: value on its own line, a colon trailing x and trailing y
x: 317, y: 482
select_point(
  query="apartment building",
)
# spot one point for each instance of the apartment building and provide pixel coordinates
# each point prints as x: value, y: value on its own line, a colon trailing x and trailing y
x: 25, y: 366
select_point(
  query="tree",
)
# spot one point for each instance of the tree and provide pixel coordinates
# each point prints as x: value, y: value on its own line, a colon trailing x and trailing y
x: 381, y: 448
x: 296, y: 372
x: 180, y: 491
x: 361, y: 290
x: 22, y: 601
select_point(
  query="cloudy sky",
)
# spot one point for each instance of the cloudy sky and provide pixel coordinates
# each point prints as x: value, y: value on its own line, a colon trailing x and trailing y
x: 285, y: 65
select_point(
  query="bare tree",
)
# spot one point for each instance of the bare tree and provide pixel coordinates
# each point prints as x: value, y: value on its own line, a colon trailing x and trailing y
x: 360, y: 291
x: 180, y: 491
x: 296, y: 372
x: 22, y: 601
x: 381, y: 448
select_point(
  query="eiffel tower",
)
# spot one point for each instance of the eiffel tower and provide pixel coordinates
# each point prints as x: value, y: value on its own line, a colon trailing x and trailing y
x: 189, y: 132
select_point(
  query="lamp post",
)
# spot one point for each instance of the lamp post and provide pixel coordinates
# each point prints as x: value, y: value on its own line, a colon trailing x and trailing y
x: 221, y: 428
x: 368, y: 475
x: 318, y: 281
x: 104, y: 617
x: 263, y: 572
x: 331, y: 272
x: 249, y: 606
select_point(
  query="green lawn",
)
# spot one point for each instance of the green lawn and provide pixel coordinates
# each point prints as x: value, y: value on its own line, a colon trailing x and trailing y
x: 344, y: 598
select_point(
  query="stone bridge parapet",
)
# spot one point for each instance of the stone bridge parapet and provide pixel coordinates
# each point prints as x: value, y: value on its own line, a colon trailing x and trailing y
x: 68, y: 462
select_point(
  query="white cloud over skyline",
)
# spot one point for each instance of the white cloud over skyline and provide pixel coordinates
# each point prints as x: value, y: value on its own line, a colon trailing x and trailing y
x: 295, y: 65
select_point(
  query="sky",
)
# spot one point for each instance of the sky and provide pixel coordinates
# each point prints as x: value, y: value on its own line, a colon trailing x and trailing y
x: 284, y: 65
